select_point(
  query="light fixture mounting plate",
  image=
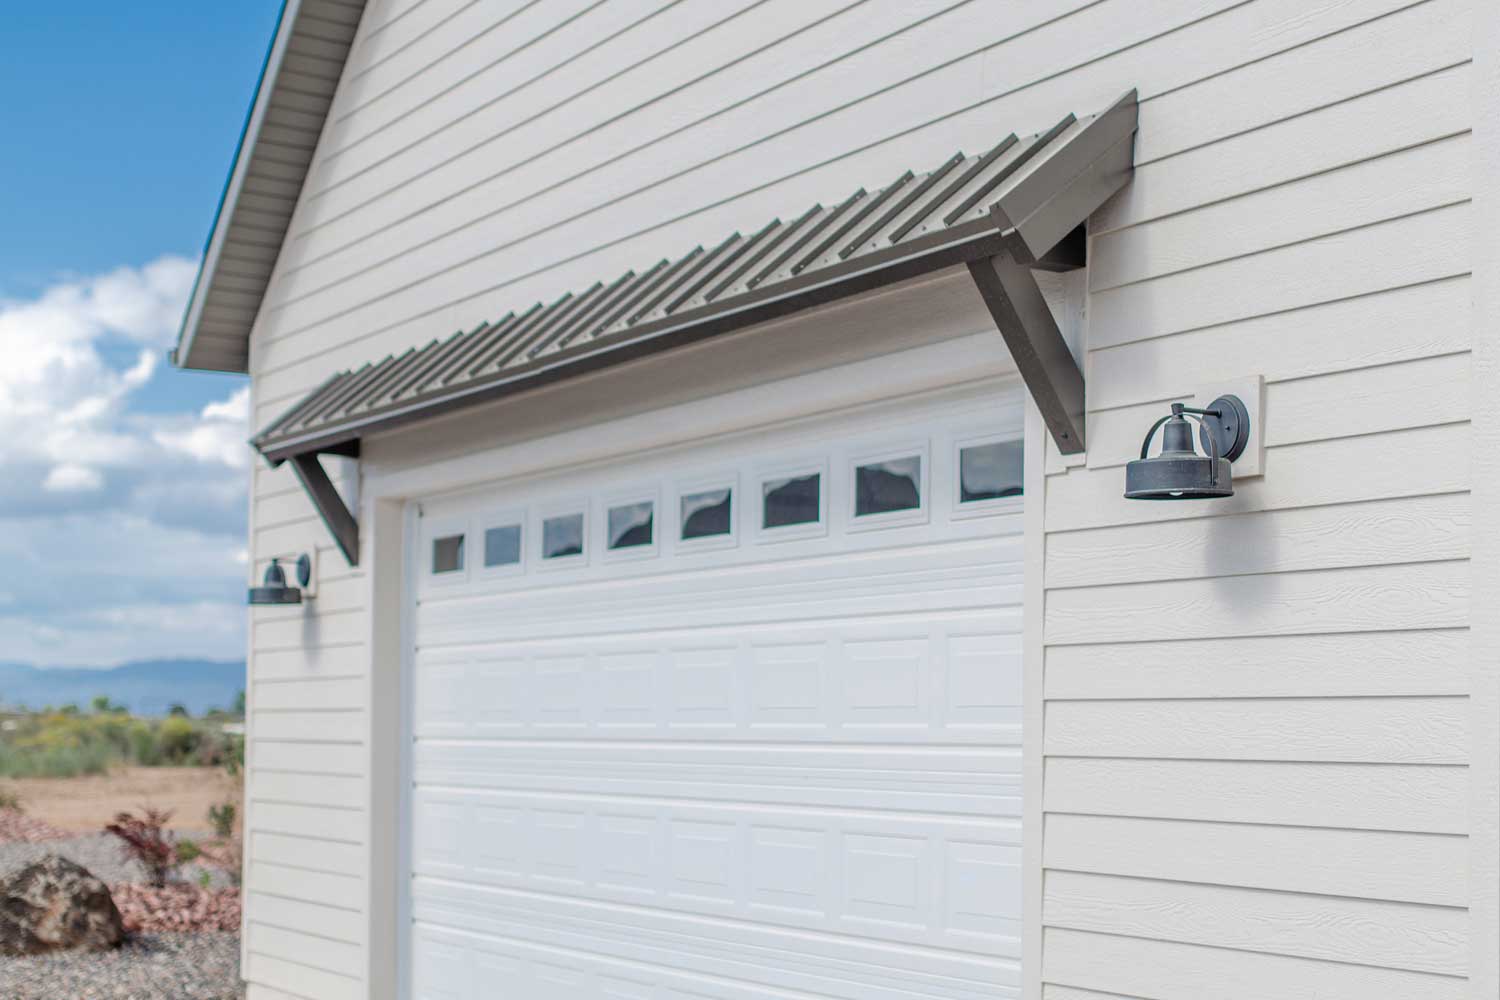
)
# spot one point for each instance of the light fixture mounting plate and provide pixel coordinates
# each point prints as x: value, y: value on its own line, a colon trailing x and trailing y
x: 1232, y: 427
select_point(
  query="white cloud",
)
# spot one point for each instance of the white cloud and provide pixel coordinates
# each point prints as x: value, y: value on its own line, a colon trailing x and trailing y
x: 124, y: 524
x: 217, y: 436
x: 70, y: 478
x: 61, y: 401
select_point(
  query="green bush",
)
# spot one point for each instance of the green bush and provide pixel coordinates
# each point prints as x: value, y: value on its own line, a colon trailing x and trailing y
x: 64, y: 744
x: 188, y: 851
x: 221, y: 818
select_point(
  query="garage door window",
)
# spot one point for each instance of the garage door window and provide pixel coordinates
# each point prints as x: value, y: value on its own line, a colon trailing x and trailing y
x: 792, y: 500
x: 562, y: 536
x: 502, y: 545
x: 707, y: 514
x: 632, y: 526
x: 888, y: 487
x: 991, y: 470
x: 448, y: 554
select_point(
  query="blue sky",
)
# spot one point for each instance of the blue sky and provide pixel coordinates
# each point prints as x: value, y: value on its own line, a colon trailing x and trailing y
x: 122, y: 506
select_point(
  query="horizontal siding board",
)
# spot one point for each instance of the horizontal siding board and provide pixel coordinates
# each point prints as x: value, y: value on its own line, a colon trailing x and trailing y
x: 1396, y: 116
x: 1166, y: 971
x: 1051, y: 991
x: 1340, y: 535
x: 1422, y: 595
x: 1412, y: 40
x: 309, y: 663
x: 308, y: 789
x: 337, y: 628
x: 1369, y: 730
x: 301, y: 980
x: 1385, y: 327
x: 1418, y: 393
x: 1402, y: 867
x: 277, y: 942
x: 300, y: 852
x: 474, y: 59
x: 309, y: 726
x: 308, y: 821
x: 507, y: 96
x: 1363, y: 193
x: 655, y: 98
x: 341, y: 694
x: 1355, y: 931
x: 1434, y: 244
x: 1349, y: 664
x: 1410, y: 463
x: 307, y: 918
x: 1418, y: 799
x: 342, y: 891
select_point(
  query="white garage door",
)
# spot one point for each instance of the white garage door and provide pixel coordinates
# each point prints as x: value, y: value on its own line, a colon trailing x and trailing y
x: 741, y: 719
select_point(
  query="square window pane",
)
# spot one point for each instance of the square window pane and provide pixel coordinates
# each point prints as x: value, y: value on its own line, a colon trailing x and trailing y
x: 884, y: 487
x: 991, y: 471
x: 562, y: 536
x: 448, y: 554
x: 502, y: 545
x: 707, y: 514
x: 793, y: 500
x: 632, y: 525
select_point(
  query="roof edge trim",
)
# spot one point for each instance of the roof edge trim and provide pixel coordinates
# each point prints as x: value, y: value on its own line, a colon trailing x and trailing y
x: 182, y: 354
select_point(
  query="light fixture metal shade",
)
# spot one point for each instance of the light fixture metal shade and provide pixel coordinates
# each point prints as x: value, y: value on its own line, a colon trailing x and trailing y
x: 1178, y: 477
x: 1179, y: 472
x: 274, y: 589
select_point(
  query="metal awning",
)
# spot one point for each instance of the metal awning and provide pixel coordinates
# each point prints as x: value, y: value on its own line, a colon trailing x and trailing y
x: 1019, y: 205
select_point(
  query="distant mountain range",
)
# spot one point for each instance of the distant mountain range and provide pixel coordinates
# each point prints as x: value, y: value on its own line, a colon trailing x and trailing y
x: 146, y: 688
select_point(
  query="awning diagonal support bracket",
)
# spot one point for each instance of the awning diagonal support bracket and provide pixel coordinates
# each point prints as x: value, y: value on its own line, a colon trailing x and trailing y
x: 342, y: 524
x: 1015, y: 301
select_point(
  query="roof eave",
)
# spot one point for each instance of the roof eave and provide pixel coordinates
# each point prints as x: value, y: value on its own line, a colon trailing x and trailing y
x: 183, y: 355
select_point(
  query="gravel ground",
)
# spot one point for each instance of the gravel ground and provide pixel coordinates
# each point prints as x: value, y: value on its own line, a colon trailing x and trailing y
x: 149, y: 967
x: 100, y: 853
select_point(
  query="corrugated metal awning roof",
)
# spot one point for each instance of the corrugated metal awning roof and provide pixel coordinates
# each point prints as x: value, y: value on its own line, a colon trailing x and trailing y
x: 1021, y: 197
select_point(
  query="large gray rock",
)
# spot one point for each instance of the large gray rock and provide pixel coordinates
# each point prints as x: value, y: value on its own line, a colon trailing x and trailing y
x: 55, y: 905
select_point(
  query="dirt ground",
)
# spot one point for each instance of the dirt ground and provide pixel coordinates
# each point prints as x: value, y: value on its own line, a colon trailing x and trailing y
x: 86, y: 804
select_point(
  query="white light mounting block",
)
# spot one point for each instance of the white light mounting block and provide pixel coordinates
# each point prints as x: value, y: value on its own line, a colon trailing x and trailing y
x: 1252, y: 392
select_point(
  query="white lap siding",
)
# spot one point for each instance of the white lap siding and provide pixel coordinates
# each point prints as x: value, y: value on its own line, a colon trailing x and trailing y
x: 1299, y: 210
x: 1256, y: 723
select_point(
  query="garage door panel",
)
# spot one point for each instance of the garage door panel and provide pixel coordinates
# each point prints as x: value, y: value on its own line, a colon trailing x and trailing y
x: 983, y: 781
x: 933, y: 579
x: 929, y: 879
x: 727, y: 959
x: 940, y: 680
x: 785, y: 764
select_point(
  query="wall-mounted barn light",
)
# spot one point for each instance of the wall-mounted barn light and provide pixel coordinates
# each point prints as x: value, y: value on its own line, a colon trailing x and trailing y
x: 1179, y: 472
x: 274, y: 589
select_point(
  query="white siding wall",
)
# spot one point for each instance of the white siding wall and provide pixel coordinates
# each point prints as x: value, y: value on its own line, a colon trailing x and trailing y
x: 1280, y: 686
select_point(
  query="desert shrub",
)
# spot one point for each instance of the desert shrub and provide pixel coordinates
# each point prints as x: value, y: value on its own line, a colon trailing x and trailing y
x: 188, y: 851
x: 177, y: 739
x: 221, y: 818
x: 145, y: 840
x: 63, y: 745
x: 11, y: 799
